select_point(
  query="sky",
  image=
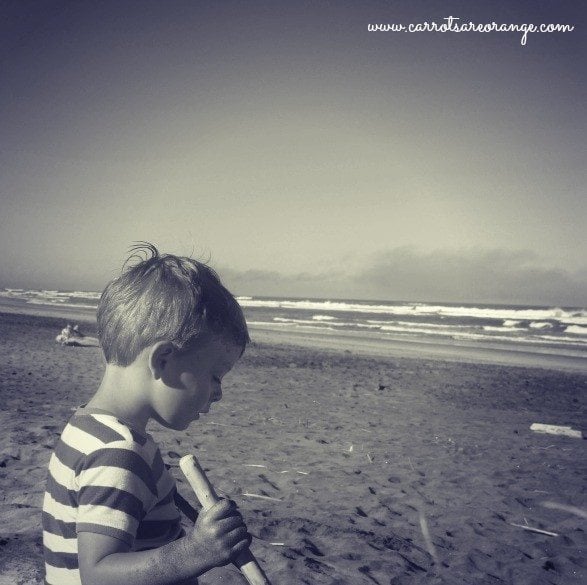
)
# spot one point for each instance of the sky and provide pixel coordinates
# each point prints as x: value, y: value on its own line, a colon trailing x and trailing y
x: 299, y: 153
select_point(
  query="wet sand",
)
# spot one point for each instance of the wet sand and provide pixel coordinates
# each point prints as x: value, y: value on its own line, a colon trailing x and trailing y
x: 372, y: 468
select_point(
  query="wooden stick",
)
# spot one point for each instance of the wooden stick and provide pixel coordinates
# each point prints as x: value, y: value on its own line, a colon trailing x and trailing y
x: 570, y: 509
x: 207, y: 496
x: 532, y: 529
x: 556, y: 430
x: 427, y: 538
x: 262, y: 497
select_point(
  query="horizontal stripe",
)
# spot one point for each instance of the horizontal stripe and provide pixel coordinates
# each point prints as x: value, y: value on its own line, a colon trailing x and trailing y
x: 101, y: 515
x: 115, y: 424
x: 120, y: 458
x: 165, y: 484
x: 116, y: 478
x: 138, y: 438
x: 91, y: 425
x: 67, y: 455
x: 168, y: 512
x: 157, y: 466
x: 126, y: 430
x: 106, y: 530
x: 58, y: 544
x: 57, y: 510
x: 116, y: 499
x: 168, y: 498
x: 80, y: 439
x: 57, y: 526
x: 56, y: 576
x: 60, y: 493
x: 60, y: 560
x: 65, y: 474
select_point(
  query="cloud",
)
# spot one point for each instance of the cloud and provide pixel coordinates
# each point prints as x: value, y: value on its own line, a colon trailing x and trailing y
x: 406, y: 273
x: 474, y: 275
x: 273, y: 283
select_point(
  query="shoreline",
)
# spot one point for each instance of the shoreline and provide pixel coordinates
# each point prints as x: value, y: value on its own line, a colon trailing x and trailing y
x: 461, y: 351
x: 392, y: 348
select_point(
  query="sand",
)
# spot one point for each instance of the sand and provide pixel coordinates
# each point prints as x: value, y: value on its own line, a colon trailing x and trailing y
x: 375, y: 469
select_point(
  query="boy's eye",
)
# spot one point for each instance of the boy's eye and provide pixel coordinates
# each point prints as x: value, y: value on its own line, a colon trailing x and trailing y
x: 217, y: 380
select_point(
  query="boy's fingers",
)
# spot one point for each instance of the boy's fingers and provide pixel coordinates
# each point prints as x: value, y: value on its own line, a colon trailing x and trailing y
x: 241, y: 546
x: 222, y: 505
x: 238, y: 538
x: 223, y: 509
x: 227, y: 525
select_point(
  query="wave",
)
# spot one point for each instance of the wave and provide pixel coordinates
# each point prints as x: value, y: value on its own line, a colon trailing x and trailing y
x: 49, y: 294
x: 510, y: 316
x: 56, y: 301
x: 501, y: 334
x: 60, y: 303
x: 503, y: 329
x: 541, y: 339
x: 415, y: 329
x: 570, y: 316
x: 312, y: 322
x: 416, y: 324
x: 419, y: 330
x: 576, y: 330
x: 555, y: 326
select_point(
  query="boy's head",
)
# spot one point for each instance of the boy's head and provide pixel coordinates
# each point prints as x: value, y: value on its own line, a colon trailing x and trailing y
x: 165, y: 298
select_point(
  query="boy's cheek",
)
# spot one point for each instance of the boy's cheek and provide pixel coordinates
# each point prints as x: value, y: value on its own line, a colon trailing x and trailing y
x: 188, y: 380
x: 196, y: 393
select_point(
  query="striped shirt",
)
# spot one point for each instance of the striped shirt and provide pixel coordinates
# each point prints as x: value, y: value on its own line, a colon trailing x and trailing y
x: 104, y: 477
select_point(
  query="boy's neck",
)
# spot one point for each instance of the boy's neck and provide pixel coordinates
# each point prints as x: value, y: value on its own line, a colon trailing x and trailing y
x: 122, y: 393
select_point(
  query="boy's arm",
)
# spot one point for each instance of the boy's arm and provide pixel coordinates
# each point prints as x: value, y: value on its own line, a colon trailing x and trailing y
x: 104, y: 560
x: 218, y: 536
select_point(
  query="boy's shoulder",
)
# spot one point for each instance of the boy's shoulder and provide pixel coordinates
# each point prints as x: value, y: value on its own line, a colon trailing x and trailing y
x: 97, y: 447
x: 106, y: 428
x: 90, y: 432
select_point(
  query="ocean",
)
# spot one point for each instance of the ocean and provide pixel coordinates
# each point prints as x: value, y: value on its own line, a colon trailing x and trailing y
x: 547, y: 330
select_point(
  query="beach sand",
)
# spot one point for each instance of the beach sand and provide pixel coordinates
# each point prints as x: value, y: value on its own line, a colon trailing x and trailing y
x: 374, y: 469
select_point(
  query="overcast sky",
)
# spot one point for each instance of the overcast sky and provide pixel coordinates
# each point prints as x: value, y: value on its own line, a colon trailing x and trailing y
x: 299, y: 152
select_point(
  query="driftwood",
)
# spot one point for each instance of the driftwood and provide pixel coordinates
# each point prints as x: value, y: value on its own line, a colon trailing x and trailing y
x: 556, y: 430
x: 72, y: 336
x: 533, y: 529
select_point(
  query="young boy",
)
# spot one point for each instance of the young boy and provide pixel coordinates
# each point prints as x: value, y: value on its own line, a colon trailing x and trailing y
x: 169, y: 331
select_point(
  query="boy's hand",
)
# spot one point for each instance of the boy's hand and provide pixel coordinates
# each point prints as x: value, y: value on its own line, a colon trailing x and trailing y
x: 220, y: 533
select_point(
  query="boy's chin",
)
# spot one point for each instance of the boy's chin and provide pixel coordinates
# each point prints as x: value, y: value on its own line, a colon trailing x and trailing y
x: 178, y: 424
x: 184, y: 424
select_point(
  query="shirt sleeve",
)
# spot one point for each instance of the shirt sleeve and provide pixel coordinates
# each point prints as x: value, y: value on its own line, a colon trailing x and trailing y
x: 115, y: 492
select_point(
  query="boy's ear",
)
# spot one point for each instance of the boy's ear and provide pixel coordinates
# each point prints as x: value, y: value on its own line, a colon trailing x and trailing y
x: 159, y: 357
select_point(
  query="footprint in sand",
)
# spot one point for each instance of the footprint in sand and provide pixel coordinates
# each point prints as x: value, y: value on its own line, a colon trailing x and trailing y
x: 318, y: 567
x: 484, y: 563
x: 311, y: 547
x: 265, y: 479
